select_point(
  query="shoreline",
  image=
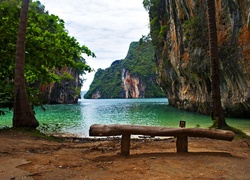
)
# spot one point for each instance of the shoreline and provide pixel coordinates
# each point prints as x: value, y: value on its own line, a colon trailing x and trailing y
x: 77, y: 136
x: 25, y: 156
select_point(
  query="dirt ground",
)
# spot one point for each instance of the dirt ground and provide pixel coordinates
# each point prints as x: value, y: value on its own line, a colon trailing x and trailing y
x: 25, y: 157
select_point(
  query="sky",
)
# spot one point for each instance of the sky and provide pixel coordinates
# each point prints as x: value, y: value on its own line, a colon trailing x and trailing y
x: 106, y: 27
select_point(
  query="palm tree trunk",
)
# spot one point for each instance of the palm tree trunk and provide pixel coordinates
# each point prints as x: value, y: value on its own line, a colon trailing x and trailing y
x: 23, y: 113
x: 217, y: 111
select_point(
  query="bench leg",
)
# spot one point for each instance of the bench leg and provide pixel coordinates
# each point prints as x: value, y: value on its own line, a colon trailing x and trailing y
x: 125, y: 144
x: 182, y: 144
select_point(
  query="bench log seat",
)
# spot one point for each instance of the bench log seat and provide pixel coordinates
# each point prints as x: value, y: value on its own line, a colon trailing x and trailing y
x: 182, y: 134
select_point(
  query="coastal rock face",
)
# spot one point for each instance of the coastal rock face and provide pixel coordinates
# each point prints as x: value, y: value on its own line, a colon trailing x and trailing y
x: 96, y: 95
x: 132, y: 77
x: 180, y: 36
x: 65, y: 92
x: 132, y: 86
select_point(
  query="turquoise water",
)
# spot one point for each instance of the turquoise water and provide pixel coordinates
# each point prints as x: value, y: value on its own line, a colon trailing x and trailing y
x: 77, y: 118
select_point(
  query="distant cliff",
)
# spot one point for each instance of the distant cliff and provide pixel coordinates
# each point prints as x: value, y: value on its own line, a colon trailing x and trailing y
x: 132, y: 77
x: 180, y: 36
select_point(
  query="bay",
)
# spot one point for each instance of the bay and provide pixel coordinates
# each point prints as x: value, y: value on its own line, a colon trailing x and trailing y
x: 77, y: 118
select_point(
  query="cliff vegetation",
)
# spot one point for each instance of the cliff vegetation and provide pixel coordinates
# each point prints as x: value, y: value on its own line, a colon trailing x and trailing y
x: 179, y: 34
x: 132, y: 77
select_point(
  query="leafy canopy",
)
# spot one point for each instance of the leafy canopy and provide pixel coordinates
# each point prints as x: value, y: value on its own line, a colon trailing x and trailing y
x: 48, y: 48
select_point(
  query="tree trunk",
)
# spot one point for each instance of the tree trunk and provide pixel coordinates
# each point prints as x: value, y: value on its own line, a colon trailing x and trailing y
x: 217, y: 111
x: 23, y: 113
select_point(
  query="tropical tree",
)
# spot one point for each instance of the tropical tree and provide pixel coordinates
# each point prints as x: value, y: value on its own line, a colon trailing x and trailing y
x: 217, y: 111
x: 23, y: 113
x: 48, y: 50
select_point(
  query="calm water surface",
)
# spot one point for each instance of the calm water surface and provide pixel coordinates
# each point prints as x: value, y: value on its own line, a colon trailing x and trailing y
x: 77, y: 118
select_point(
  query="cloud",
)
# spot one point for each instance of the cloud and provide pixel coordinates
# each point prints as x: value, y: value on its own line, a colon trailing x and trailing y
x: 106, y: 27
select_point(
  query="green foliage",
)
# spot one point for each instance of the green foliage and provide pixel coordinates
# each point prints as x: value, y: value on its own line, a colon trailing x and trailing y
x: 194, y: 31
x: 6, y: 95
x: 48, y: 48
x: 66, y: 76
x: 140, y: 58
x: 215, y: 122
x: 157, y: 14
x: 108, y: 82
x: 50, y: 128
x: 154, y: 7
x: 34, y: 97
x: 77, y: 90
x: 239, y: 133
x: 139, y: 62
x: 163, y: 31
x: 147, y: 4
x: 197, y: 126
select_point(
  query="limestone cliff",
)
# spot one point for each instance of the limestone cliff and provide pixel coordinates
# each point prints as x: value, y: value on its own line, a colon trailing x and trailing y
x: 67, y: 91
x: 180, y: 37
x: 132, y: 77
x: 133, y: 87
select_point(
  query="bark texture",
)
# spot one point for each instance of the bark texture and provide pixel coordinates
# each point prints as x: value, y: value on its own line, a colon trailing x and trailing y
x: 118, y: 129
x: 23, y: 113
x: 217, y: 111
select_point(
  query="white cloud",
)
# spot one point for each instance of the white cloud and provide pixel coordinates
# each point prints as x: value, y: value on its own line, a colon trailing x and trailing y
x: 106, y: 27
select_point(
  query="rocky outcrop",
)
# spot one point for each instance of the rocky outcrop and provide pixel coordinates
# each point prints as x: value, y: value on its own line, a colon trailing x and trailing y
x: 96, y: 95
x: 67, y: 91
x: 180, y: 36
x: 132, y: 77
x: 132, y: 86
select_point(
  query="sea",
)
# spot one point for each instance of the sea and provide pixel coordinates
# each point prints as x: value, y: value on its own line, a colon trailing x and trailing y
x: 76, y: 119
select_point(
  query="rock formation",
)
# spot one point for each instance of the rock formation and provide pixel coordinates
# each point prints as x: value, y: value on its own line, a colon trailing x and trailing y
x: 180, y: 37
x: 132, y: 86
x: 67, y: 91
x: 132, y: 77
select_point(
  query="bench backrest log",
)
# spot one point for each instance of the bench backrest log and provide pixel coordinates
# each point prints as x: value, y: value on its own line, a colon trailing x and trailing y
x: 180, y: 133
x: 118, y: 129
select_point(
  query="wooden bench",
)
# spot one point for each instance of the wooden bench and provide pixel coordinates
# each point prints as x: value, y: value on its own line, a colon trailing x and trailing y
x: 182, y: 134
